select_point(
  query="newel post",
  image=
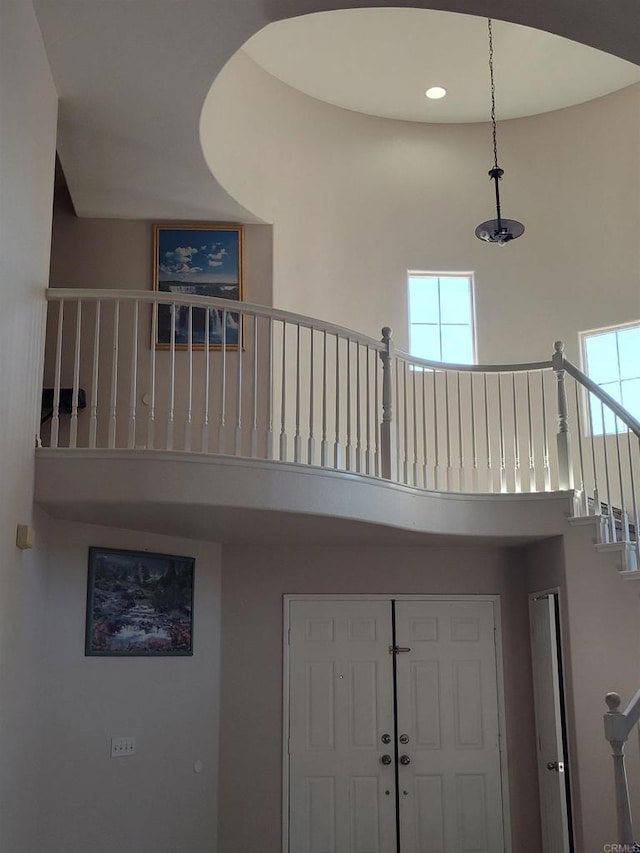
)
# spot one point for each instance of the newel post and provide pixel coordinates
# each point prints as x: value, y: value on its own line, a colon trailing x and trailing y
x: 388, y: 449
x: 616, y: 731
x: 565, y: 468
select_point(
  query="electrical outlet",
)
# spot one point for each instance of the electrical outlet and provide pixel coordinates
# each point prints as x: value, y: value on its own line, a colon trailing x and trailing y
x: 121, y: 746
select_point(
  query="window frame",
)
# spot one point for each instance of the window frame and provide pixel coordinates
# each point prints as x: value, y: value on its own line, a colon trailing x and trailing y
x: 468, y: 274
x: 590, y: 429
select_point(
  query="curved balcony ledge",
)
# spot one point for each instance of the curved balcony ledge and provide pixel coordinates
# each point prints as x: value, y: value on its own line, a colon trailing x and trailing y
x: 235, y: 499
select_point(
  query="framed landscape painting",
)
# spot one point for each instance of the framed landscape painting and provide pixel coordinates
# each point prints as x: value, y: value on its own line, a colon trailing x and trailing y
x: 198, y: 260
x: 139, y: 604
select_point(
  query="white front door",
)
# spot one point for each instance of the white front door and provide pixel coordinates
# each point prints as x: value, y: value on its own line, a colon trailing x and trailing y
x: 373, y: 769
x: 552, y: 778
x: 342, y: 797
x: 448, y: 728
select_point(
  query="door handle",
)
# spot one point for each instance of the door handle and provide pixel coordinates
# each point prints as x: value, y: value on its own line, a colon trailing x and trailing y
x: 404, y: 759
x: 386, y: 759
x: 558, y: 766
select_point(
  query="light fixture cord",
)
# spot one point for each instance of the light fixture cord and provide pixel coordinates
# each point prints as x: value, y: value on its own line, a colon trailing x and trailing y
x: 493, y: 96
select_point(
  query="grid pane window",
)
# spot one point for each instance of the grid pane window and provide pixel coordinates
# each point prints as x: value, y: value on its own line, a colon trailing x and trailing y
x: 612, y: 359
x: 441, y: 317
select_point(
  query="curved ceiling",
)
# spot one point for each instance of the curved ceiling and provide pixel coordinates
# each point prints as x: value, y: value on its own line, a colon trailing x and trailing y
x: 380, y: 62
x: 132, y: 78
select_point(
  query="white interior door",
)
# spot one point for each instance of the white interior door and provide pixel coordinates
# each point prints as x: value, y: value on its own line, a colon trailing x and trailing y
x: 342, y: 797
x: 448, y: 727
x: 552, y: 780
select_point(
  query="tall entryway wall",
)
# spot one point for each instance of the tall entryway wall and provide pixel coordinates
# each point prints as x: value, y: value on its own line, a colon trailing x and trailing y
x: 255, y: 579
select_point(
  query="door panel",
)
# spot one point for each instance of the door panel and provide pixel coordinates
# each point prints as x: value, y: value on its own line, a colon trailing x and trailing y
x: 451, y: 791
x: 342, y: 799
x: 552, y: 783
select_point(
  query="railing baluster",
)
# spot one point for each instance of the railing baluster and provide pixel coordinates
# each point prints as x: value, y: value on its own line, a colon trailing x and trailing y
x: 151, y: 419
x: 436, y: 449
x: 448, y: 427
x: 253, y: 440
x: 55, y: 418
x: 461, y: 478
x: 113, y: 408
x: 324, y: 444
x: 516, y: 438
x: 369, y: 460
x: 474, y: 442
x: 545, y: 438
x: 204, y: 443
x: 270, y: 381
x: 414, y: 402
x: 297, y: 440
x: 237, y: 445
x: 610, y: 521
x: 283, y: 396
x: 624, y: 518
x: 405, y: 443
x: 359, y: 461
x: 93, y: 414
x: 634, y: 504
x: 73, y: 426
x: 172, y: 379
x: 583, y: 496
x: 533, y: 486
x: 189, y: 415
x: 336, y: 443
x: 349, y: 454
x: 425, y: 460
x: 133, y: 396
x: 486, y: 434
x: 311, y: 444
x: 503, y: 461
x: 597, y: 504
x: 223, y: 384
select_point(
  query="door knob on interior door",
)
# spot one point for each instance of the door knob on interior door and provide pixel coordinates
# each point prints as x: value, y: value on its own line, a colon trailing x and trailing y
x: 558, y: 766
x: 404, y: 759
x: 386, y: 759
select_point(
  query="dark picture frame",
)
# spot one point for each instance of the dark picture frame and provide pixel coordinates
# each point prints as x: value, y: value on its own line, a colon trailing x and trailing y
x: 199, y: 260
x: 139, y: 604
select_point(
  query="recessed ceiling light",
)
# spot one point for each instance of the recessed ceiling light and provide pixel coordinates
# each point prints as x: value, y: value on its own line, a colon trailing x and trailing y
x: 435, y: 93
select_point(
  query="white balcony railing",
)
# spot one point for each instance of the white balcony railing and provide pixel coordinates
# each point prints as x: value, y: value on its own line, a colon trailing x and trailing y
x: 312, y: 393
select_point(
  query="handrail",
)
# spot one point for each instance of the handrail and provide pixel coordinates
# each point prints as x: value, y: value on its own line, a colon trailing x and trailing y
x: 474, y: 368
x: 59, y: 294
x: 595, y: 389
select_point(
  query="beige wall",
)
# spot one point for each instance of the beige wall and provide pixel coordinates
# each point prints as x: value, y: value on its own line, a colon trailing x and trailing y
x: 28, y: 107
x: 153, y: 800
x: 356, y: 201
x: 253, y: 583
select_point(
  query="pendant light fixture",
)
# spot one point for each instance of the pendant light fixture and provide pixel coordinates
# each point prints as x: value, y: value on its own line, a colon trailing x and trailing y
x: 498, y: 230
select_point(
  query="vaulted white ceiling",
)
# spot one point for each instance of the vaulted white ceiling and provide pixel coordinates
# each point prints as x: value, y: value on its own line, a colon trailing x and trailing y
x: 381, y: 61
x: 133, y: 75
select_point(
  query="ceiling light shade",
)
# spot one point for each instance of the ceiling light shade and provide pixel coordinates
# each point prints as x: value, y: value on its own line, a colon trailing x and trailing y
x: 436, y: 92
x: 498, y: 230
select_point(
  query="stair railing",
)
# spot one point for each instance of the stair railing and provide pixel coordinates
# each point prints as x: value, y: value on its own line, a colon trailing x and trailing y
x: 606, y: 468
x: 617, y: 727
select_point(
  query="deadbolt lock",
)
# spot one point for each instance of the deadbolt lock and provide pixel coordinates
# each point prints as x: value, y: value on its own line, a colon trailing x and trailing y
x: 386, y: 738
x: 404, y: 759
x: 404, y: 738
x: 386, y: 759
